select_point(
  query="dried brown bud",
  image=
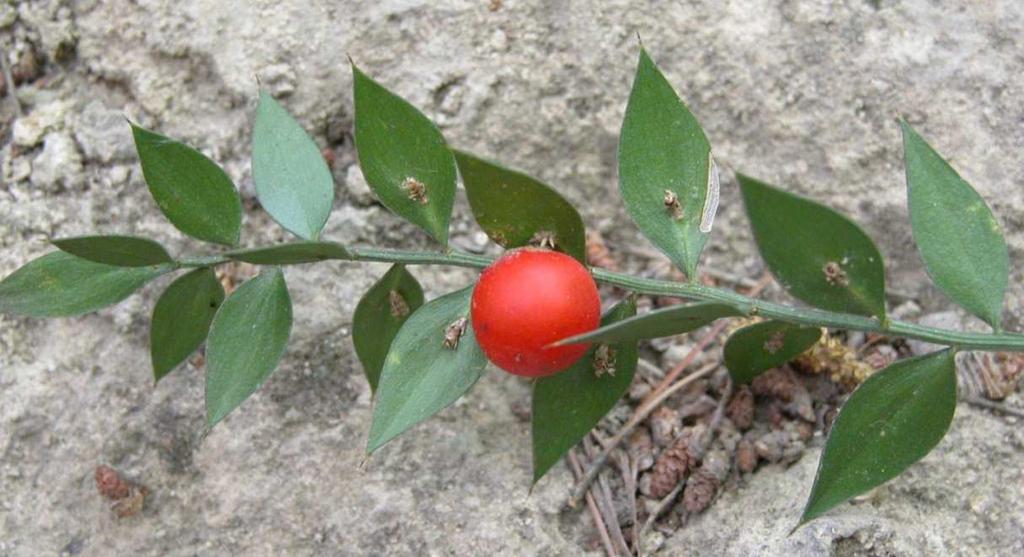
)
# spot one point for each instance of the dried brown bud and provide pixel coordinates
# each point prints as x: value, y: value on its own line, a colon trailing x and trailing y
x: 741, y: 408
x: 416, y: 190
x: 110, y: 484
x: 454, y: 332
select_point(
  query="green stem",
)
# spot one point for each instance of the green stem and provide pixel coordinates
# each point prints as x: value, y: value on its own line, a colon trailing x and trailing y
x: 1008, y: 342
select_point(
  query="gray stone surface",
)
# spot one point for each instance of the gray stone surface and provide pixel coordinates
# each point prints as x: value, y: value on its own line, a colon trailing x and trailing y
x: 800, y: 93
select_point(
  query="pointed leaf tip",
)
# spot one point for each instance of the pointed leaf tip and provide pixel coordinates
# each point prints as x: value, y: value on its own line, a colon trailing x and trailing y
x: 959, y: 238
x: 191, y: 190
x: 422, y: 373
x: 667, y: 175
x: 663, y: 322
x: 292, y: 179
x: 248, y: 337
x: 895, y: 418
x: 404, y: 157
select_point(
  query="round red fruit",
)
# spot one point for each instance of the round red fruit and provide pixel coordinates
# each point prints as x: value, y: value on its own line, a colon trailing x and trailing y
x: 528, y: 299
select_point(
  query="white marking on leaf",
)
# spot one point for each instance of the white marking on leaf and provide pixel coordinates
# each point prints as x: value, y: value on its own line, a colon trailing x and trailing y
x: 707, y: 216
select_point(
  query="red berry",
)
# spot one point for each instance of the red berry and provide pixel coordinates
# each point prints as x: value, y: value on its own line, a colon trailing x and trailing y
x: 528, y: 299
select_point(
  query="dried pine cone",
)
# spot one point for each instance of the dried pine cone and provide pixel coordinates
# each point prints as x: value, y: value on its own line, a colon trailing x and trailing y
x: 741, y: 408
x: 672, y: 465
x: 704, y: 483
x: 784, y: 385
x: 746, y: 456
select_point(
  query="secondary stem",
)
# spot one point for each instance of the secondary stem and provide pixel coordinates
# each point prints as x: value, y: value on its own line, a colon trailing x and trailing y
x: 1008, y: 342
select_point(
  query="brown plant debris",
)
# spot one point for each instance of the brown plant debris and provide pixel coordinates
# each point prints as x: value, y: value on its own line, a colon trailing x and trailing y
x: 671, y: 466
x: 127, y: 498
x: 741, y: 408
x: 234, y: 274
x: 831, y: 355
x: 704, y: 483
x: 453, y: 333
x: 746, y: 456
x: 641, y: 448
x: 604, y: 360
x: 399, y: 307
x: 672, y: 205
x: 110, y: 484
x: 665, y: 424
x: 784, y: 385
x: 416, y: 190
x: 329, y: 157
x: 992, y: 376
x: 598, y: 254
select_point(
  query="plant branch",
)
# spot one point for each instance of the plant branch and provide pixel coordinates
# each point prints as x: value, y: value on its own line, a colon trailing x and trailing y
x: 1004, y: 342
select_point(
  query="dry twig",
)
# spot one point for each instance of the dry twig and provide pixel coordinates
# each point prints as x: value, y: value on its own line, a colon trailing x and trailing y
x: 605, y: 501
x: 994, y: 405
x: 602, y: 530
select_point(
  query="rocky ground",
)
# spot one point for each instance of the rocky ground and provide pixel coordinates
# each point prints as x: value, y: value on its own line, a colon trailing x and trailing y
x: 799, y: 93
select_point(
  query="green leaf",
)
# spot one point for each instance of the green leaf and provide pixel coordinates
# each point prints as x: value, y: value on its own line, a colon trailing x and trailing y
x: 404, y: 157
x: 667, y: 176
x: 959, y: 239
x: 247, y: 339
x: 890, y: 422
x: 817, y: 254
x: 181, y: 319
x: 570, y: 403
x: 291, y: 254
x: 292, y: 180
x: 380, y: 315
x: 192, y: 191
x: 59, y: 284
x: 664, y: 322
x: 516, y: 210
x: 121, y: 251
x: 421, y: 375
x: 762, y: 346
